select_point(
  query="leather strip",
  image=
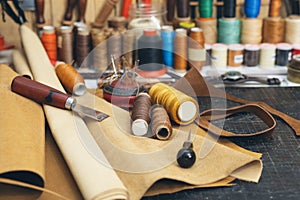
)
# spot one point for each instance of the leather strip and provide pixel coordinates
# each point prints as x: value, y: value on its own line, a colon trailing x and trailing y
x: 204, y: 121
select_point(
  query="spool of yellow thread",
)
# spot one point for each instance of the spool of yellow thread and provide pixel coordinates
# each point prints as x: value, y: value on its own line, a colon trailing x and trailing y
x: 182, y: 109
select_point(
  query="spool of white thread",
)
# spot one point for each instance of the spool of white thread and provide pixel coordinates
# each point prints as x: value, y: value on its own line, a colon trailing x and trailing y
x: 267, y: 55
x: 219, y: 55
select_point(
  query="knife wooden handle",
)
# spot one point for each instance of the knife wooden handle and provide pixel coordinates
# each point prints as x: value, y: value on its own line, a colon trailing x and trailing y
x: 39, y: 92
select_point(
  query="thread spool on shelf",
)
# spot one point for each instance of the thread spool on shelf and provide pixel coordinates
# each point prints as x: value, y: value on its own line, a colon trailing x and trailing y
x: 219, y: 55
x: 196, y: 49
x: 209, y: 27
x: 251, y: 30
x: 267, y: 55
x: 167, y: 35
x: 229, y: 30
x: 180, y: 50
x: 274, y: 8
x: 49, y: 42
x: 292, y: 29
x: 235, y: 55
x: 72, y: 81
x: 296, y: 49
x: 283, y: 54
x: 181, y: 108
x: 273, y: 30
x: 251, y: 55
x: 252, y: 8
x: 65, y: 44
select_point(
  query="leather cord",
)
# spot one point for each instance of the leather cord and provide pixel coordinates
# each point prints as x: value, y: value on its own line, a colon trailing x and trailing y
x: 204, y: 121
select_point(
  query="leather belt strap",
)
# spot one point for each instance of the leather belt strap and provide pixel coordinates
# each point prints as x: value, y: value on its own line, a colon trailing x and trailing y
x: 204, y: 121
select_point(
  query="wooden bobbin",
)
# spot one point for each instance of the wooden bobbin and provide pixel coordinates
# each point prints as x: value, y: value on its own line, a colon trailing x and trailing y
x: 182, y: 109
x: 71, y: 80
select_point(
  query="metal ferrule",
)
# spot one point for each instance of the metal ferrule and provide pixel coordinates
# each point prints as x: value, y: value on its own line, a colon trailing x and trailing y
x: 70, y: 103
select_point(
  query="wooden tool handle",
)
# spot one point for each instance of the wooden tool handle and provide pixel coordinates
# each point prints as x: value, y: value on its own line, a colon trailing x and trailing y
x: 39, y: 92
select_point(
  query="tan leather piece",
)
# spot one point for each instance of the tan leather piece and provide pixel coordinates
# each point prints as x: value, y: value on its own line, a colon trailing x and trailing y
x: 126, y: 153
x: 25, y: 146
x: 194, y: 84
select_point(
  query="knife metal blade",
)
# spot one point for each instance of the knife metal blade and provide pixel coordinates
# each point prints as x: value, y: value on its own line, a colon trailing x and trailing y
x: 44, y: 94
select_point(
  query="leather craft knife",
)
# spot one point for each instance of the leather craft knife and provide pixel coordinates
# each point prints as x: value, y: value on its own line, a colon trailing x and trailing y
x: 44, y: 94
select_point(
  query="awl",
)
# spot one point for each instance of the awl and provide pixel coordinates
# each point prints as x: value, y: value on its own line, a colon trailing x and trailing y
x: 44, y: 94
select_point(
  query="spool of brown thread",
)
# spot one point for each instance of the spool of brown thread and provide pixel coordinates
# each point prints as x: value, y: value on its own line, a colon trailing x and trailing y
x: 65, y: 44
x: 235, y: 55
x: 273, y: 30
x: 82, y: 46
x: 251, y: 30
x: 196, y: 49
x: 141, y: 114
x: 274, y: 8
x: 71, y: 80
x: 180, y: 50
x: 160, y: 123
x: 104, y: 13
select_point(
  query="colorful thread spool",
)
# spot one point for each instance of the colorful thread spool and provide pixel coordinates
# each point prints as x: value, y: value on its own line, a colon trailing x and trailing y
x: 251, y: 55
x: 209, y: 27
x: 229, y: 31
x: 251, y: 30
x: 196, y: 49
x: 229, y: 7
x: 181, y: 108
x: 65, y: 44
x: 150, y: 54
x: 205, y: 8
x: 235, y: 55
x: 274, y: 8
x: 273, y: 30
x: 49, y: 42
x: 180, y: 50
x: 283, y: 54
x: 267, y: 55
x: 292, y: 29
x: 72, y: 81
x: 252, y: 8
x: 167, y: 35
x: 219, y: 55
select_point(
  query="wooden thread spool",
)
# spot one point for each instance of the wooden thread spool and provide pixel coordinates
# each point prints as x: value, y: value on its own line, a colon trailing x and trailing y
x: 181, y: 108
x: 49, y: 42
x: 251, y: 32
x: 209, y: 27
x: 71, y: 80
x: 273, y: 30
x: 219, y: 55
x: 180, y: 50
x: 196, y: 49
x: 274, y: 8
x: 267, y: 55
x: 99, y: 39
x: 160, y: 123
x: 235, y: 55
x: 65, y: 44
x: 292, y: 29
x: 141, y: 114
